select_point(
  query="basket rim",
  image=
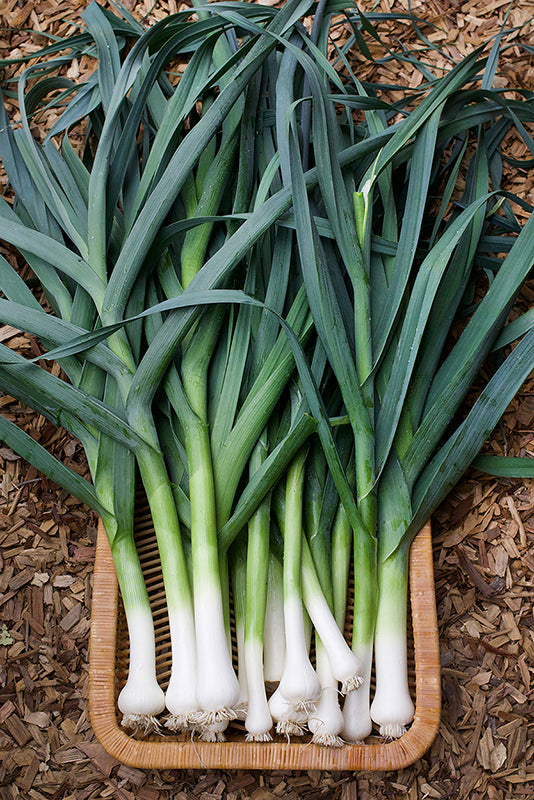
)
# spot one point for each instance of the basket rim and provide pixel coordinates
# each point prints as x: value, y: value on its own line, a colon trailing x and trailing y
x: 168, y: 754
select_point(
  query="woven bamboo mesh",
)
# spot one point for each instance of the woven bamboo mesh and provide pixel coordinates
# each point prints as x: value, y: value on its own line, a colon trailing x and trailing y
x: 109, y: 664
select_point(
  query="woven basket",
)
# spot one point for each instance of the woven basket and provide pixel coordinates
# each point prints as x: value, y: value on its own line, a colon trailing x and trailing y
x: 109, y: 663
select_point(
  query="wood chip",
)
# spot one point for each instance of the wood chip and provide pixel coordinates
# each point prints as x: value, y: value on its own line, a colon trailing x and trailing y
x: 17, y: 729
x: 29, y: 775
x: 96, y: 753
x: 70, y: 619
x: 135, y: 776
x: 39, y: 718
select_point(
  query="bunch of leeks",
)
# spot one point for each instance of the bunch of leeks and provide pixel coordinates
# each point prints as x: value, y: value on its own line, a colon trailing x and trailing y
x: 250, y: 294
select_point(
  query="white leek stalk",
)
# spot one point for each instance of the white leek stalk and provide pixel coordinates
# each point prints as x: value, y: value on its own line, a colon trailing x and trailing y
x: 299, y: 684
x: 239, y: 594
x: 242, y: 674
x: 344, y: 663
x: 217, y: 685
x: 326, y: 722
x: 141, y: 699
x: 392, y: 707
x: 274, y: 640
x: 356, y: 712
x: 258, y: 722
x: 357, y: 723
x: 180, y: 697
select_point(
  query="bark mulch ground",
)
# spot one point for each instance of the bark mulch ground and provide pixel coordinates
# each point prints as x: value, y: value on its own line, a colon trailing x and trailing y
x: 483, y: 552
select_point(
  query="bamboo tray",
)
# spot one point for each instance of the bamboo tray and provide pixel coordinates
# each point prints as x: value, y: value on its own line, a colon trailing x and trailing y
x: 109, y: 661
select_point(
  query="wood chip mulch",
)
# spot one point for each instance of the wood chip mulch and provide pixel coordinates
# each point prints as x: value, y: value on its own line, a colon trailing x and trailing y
x: 483, y: 554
